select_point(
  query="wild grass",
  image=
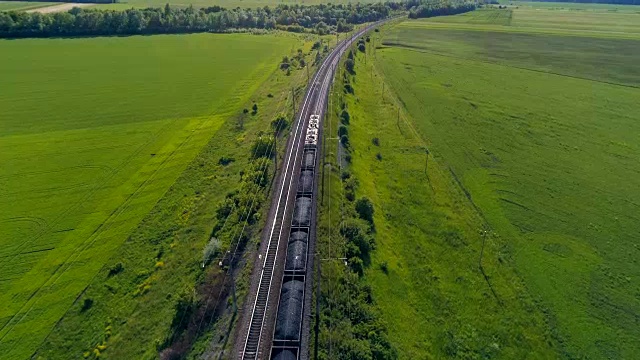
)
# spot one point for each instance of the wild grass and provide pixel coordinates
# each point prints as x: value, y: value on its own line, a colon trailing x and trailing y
x: 540, y: 153
x: 93, y: 133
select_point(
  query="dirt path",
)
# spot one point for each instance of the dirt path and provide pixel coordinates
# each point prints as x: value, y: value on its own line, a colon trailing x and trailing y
x: 58, y: 8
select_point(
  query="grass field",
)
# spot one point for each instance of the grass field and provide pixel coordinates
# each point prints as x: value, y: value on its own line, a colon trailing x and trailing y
x: 533, y: 136
x: 90, y: 142
x: 22, y: 5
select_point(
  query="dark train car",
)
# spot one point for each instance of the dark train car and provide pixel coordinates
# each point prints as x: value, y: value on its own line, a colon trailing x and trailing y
x: 302, y: 212
x: 309, y: 157
x: 284, y: 353
x: 305, y: 182
x: 289, y: 318
x: 297, y: 252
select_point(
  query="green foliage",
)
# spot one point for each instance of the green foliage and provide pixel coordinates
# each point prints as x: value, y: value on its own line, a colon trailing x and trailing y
x: 116, y: 269
x: 364, y: 208
x: 345, y: 117
x: 349, y: 65
x: 263, y: 146
x: 211, y: 250
x: 224, y: 160
x: 149, y: 20
x: 499, y: 162
x: 116, y: 181
x: 344, y: 140
x: 87, y: 303
x: 342, y: 130
x: 279, y: 124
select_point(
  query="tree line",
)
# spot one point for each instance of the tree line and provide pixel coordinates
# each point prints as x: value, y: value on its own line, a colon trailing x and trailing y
x: 439, y: 8
x: 91, y: 22
x: 321, y: 19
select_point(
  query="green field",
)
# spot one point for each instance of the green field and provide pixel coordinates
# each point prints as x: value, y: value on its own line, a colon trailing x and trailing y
x: 22, y: 5
x: 532, y: 125
x: 92, y: 134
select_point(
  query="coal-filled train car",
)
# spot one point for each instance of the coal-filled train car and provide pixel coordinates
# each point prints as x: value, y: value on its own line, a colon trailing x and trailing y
x: 302, y: 211
x: 296, y: 261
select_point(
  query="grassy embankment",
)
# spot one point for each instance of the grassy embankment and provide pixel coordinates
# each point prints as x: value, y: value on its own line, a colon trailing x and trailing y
x: 90, y: 144
x: 532, y: 136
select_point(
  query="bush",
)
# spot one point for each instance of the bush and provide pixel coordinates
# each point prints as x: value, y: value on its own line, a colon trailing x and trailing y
x: 224, y: 161
x: 255, y: 109
x: 379, y: 157
x: 348, y: 89
x: 355, y: 231
x: 342, y: 130
x: 116, y: 269
x: 210, y: 251
x: 345, y: 175
x: 279, y: 124
x: 344, y: 140
x: 384, y: 267
x: 263, y: 146
x: 86, y: 304
x: 362, y: 47
x: 345, y: 117
x: 375, y: 141
x: 364, y: 208
x: 350, y: 65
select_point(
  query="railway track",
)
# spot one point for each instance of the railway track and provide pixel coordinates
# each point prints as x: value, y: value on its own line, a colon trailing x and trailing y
x: 289, y: 226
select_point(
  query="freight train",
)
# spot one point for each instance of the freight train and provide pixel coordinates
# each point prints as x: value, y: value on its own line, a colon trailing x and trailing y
x: 288, y: 326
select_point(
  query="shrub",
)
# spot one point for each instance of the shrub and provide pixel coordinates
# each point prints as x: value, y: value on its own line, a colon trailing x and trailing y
x: 348, y: 89
x: 362, y: 47
x: 384, y: 267
x: 116, y: 269
x: 224, y: 161
x: 350, y: 64
x: 344, y: 140
x: 255, y: 109
x: 342, y: 130
x: 375, y: 141
x: 210, y: 250
x: 263, y: 146
x: 364, y: 208
x: 379, y: 157
x: 86, y: 304
x: 355, y: 231
x: 345, y: 117
x: 279, y: 124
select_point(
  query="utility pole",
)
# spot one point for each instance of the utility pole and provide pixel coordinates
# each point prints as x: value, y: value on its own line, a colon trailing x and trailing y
x: 426, y: 163
x: 293, y: 96
x: 307, y: 66
x: 484, y: 238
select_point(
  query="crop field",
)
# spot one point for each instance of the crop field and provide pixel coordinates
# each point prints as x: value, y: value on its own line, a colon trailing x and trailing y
x: 92, y: 134
x: 22, y: 5
x: 532, y: 130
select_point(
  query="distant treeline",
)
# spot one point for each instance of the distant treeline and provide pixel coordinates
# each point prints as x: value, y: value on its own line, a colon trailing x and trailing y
x: 321, y: 19
x: 439, y: 8
x: 89, y: 22
x: 614, y: 2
